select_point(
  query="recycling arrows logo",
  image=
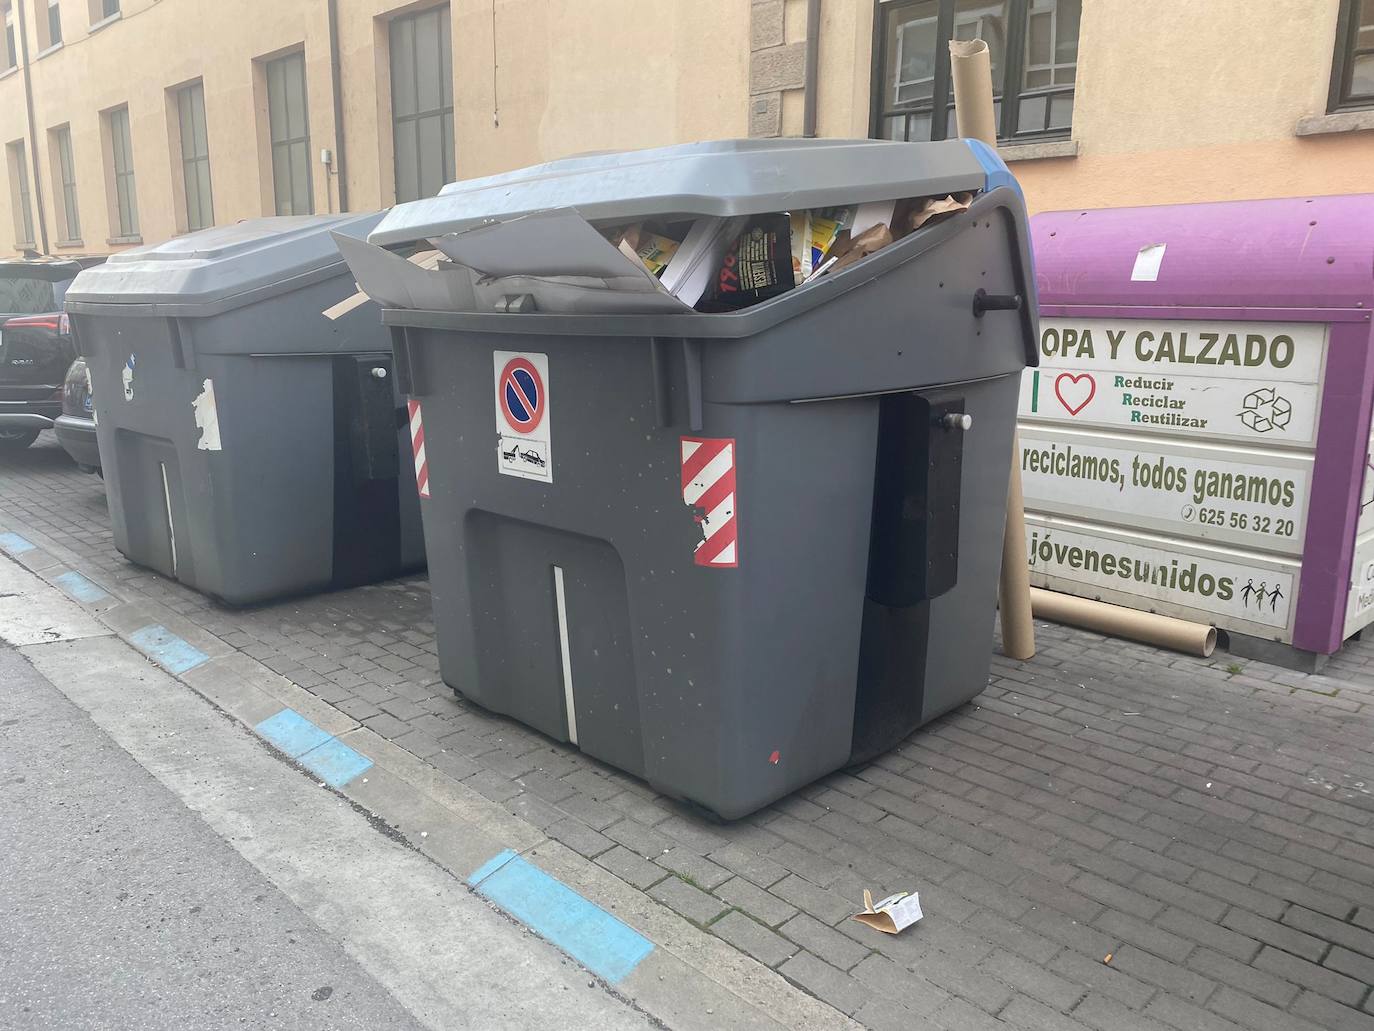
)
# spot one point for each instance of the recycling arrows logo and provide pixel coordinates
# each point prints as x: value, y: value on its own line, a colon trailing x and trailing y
x: 1265, y: 409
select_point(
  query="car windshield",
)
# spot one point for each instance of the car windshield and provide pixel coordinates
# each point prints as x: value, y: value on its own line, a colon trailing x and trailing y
x: 25, y: 295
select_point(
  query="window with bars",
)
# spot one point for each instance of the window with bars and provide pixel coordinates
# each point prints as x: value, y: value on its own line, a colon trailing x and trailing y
x: 122, y: 171
x: 195, y: 157
x: 1352, y: 71
x: 66, y: 178
x: 1033, y: 46
x: 289, y: 127
x: 422, y: 103
x: 10, y: 56
x: 19, y: 192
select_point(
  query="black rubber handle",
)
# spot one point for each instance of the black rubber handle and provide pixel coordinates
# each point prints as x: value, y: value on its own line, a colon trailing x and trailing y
x: 984, y: 302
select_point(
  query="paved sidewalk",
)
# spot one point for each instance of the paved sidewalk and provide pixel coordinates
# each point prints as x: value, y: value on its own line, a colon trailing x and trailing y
x: 120, y: 907
x: 1207, y: 824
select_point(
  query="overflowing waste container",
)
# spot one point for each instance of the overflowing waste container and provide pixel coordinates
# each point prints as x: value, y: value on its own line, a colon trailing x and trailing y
x: 726, y: 544
x: 249, y: 444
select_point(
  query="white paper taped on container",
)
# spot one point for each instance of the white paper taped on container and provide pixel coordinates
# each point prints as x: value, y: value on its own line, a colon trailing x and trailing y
x: 893, y: 914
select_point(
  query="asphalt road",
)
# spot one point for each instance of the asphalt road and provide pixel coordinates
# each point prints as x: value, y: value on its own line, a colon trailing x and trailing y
x: 120, y: 908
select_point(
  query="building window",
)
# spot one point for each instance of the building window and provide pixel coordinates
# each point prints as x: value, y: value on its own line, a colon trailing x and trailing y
x: 195, y: 157
x: 64, y: 168
x: 122, y: 170
x: 422, y: 103
x: 53, y: 22
x: 1033, y: 48
x: 1352, y: 71
x: 19, y: 192
x: 289, y: 125
x: 102, y: 9
x: 10, y: 57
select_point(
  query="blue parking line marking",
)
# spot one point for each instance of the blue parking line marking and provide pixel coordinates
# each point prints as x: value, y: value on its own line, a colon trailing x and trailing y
x: 290, y: 732
x: 490, y: 867
x: 603, y: 944
x: 335, y: 763
x: 167, y: 649
x: 79, y: 588
x: 14, y: 544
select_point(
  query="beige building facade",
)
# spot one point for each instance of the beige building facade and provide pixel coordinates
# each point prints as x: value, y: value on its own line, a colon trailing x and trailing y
x: 128, y: 121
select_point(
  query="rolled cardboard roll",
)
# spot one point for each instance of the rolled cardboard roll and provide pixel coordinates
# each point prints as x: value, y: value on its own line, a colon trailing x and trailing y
x: 971, y: 74
x: 970, y: 70
x: 1180, y: 635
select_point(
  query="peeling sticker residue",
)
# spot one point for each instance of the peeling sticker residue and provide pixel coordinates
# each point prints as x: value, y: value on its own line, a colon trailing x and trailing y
x: 207, y: 418
x: 1147, y: 262
x: 128, y: 377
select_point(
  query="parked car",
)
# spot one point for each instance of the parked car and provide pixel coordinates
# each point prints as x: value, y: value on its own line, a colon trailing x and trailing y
x: 75, y: 427
x: 36, y: 346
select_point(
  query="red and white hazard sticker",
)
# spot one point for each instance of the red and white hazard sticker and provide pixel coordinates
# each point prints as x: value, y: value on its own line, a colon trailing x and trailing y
x: 417, y: 444
x: 708, y: 488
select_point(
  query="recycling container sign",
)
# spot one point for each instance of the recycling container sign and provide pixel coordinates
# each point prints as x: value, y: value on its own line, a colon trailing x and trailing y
x: 1196, y: 439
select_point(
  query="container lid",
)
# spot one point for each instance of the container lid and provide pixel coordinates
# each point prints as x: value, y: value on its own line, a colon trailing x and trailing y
x: 217, y: 269
x: 722, y: 178
x: 1299, y: 252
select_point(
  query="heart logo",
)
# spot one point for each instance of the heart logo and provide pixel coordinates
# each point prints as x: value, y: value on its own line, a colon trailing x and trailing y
x: 1079, y: 392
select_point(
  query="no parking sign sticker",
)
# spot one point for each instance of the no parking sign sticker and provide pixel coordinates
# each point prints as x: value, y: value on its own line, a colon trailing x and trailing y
x: 524, y: 424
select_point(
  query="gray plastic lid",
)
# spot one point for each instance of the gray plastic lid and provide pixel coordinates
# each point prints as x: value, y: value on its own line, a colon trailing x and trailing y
x: 724, y: 178
x: 213, y: 269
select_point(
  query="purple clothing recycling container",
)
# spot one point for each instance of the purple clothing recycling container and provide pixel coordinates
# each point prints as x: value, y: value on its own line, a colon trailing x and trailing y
x: 1196, y: 440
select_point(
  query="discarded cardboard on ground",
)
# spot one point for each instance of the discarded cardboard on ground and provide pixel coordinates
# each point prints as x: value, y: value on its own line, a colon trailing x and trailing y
x: 893, y: 914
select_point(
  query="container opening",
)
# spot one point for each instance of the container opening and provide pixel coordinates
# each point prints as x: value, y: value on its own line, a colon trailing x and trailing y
x: 556, y: 262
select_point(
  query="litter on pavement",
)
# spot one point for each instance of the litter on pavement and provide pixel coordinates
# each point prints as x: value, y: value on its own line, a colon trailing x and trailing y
x: 893, y: 914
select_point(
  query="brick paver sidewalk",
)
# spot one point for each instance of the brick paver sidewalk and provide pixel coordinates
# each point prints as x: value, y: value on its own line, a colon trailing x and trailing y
x: 1207, y: 824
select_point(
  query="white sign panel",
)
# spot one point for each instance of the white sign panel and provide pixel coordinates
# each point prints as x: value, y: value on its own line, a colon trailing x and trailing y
x: 1253, y: 382
x: 1254, y: 499
x: 524, y: 416
x: 1249, y: 592
x: 1359, y: 612
x: 1366, y: 522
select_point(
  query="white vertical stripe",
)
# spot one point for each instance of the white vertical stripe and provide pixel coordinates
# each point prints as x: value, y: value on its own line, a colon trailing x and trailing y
x: 565, y: 653
x: 420, y: 460
x: 416, y: 421
x: 706, y: 479
x: 171, y: 530
x: 718, y: 516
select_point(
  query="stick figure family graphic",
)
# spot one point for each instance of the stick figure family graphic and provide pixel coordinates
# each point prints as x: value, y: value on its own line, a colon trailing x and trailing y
x: 1274, y: 594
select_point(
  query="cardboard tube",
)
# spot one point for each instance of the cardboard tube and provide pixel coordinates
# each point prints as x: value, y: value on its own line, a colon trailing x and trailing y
x: 1164, y: 631
x: 970, y: 70
x: 971, y: 73
x: 1018, y: 631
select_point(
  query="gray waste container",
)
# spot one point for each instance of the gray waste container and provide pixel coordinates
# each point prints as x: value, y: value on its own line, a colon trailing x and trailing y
x: 740, y: 550
x: 249, y: 444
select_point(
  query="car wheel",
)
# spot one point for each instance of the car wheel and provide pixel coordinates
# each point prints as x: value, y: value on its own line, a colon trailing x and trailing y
x: 16, y: 440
